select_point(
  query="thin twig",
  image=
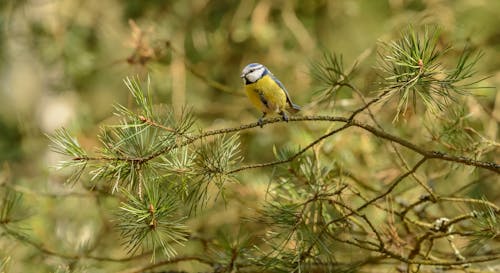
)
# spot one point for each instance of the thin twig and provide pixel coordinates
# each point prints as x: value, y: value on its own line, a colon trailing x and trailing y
x: 167, y: 262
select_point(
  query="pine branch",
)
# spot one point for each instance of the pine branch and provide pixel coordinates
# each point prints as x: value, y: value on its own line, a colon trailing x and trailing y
x: 413, y: 71
x: 151, y: 221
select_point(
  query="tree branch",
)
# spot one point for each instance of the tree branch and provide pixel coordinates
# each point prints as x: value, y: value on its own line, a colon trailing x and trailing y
x: 429, y: 154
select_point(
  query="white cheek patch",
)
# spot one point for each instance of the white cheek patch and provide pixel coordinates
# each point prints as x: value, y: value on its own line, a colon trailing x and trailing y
x: 255, y: 75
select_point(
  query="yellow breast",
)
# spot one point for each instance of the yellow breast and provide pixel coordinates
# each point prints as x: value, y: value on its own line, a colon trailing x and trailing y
x: 266, y: 95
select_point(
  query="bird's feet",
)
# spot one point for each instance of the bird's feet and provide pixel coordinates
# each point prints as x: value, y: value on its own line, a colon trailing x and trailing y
x: 284, y: 116
x: 260, y: 122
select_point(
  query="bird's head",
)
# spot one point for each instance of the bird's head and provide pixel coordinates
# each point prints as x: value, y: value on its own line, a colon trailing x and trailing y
x: 253, y: 72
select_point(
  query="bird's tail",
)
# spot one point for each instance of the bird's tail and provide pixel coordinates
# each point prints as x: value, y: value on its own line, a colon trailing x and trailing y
x: 293, y: 108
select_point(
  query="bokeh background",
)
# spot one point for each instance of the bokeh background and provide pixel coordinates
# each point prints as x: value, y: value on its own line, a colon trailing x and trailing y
x: 62, y: 64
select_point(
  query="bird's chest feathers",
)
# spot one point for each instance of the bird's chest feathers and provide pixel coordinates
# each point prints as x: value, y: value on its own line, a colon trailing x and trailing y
x: 266, y: 95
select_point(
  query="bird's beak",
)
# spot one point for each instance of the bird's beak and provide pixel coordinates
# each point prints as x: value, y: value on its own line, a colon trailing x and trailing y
x: 242, y: 75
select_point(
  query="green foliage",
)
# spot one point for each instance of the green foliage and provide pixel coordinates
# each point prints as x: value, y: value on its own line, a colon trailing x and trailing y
x: 12, y: 215
x: 329, y: 72
x: 143, y: 99
x: 231, y: 248
x: 413, y: 71
x: 151, y: 164
x: 486, y: 228
x: 449, y: 130
x: 301, y: 214
x: 213, y: 162
x: 150, y: 221
x: 65, y: 144
x: 11, y: 201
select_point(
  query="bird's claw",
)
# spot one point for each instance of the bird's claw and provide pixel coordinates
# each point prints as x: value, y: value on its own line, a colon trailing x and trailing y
x: 284, y: 116
x: 260, y: 122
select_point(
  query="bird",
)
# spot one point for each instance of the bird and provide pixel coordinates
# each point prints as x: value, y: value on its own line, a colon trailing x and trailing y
x: 266, y: 92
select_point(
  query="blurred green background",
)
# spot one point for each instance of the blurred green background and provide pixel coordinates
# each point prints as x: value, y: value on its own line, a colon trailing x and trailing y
x: 62, y: 64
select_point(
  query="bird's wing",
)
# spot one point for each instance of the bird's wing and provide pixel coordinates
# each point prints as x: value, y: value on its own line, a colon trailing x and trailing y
x: 282, y: 87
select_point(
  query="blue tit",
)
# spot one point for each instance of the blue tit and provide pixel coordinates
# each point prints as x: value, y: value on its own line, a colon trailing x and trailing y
x: 266, y: 92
